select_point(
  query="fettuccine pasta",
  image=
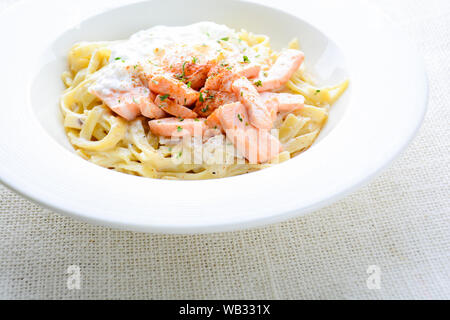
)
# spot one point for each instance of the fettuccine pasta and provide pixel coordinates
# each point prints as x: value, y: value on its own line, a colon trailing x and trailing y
x: 123, y: 98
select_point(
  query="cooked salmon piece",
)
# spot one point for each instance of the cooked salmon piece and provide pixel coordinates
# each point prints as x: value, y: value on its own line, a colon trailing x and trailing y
x: 177, y: 90
x: 248, y: 70
x: 127, y: 104
x: 213, y: 120
x: 222, y: 78
x: 150, y: 109
x: 282, y: 70
x: 216, y: 76
x: 191, y: 72
x: 173, y: 108
x: 258, y: 114
x: 210, y: 100
x: 233, y: 116
x: 283, y: 102
x: 174, y: 127
x: 256, y: 145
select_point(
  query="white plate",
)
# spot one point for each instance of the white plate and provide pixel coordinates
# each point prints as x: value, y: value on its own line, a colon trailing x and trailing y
x: 372, y: 124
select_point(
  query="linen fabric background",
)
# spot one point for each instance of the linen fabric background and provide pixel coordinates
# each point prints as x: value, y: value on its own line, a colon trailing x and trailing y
x: 400, y: 222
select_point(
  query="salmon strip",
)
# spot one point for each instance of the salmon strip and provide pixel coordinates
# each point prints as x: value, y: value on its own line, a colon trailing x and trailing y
x: 213, y: 120
x: 216, y: 77
x: 173, y: 108
x: 174, y: 127
x: 249, y: 70
x: 258, y: 114
x: 279, y: 74
x: 126, y: 104
x: 150, y: 110
x: 222, y: 78
x: 256, y: 145
x: 176, y: 89
x: 210, y: 100
x: 233, y: 116
x: 194, y: 73
x: 283, y: 102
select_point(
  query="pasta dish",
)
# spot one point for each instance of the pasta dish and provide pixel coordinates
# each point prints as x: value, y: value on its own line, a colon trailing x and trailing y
x: 194, y: 102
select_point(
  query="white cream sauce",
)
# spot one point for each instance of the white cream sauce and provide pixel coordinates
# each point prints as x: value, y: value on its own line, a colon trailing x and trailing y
x: 164, y: 45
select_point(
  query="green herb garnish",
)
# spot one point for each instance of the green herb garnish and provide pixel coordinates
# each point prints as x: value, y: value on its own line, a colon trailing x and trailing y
x: 258, y: 83
x: 164, y: 97
x: 246, y: 60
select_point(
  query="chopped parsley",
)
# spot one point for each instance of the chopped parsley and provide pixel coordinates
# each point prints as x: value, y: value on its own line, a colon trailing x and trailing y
x: 205, y: 109
x: 201, y: 97
x: 196, y: 119
x: 194, y: 60
x: 180, y: 154
x: 182, y: 76
x: 317, y: 91
x: 225, y: 39
x: 265, y: 74
x: 246, y: 60
x: 242, y: 93
x: 239, y: 117
x: 164, y: 97
x: 189, y: 84
x: 179, y: 129
x: 181, y: 119
x: 258, y: 83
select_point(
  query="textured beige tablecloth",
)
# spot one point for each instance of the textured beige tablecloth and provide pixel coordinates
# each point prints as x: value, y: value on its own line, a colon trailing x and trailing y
x: 400, y: 222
